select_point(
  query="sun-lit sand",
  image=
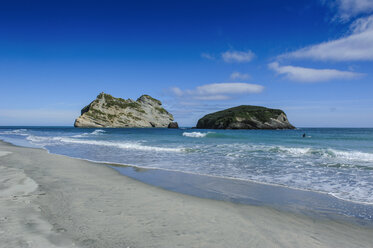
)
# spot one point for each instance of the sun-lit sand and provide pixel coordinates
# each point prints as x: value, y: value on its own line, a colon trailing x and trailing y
x: 51, y: 200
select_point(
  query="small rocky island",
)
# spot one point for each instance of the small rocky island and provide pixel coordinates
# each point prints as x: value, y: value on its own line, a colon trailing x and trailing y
x: 108, y: 111
x: 245, y: 117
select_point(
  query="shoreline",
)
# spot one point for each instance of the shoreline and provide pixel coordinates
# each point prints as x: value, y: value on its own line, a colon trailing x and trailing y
x: 341, y: 192
x: 307, y: 202
x: 318, y: 204
x: 117, y: 164
x: 86, y: 204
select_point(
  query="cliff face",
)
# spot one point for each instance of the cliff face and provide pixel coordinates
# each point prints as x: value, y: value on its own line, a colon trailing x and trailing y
x: 246, y: 117
x: 108, y: 111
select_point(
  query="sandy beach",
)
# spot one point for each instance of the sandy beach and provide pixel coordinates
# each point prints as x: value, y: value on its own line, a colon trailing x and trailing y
x: 49, y: 200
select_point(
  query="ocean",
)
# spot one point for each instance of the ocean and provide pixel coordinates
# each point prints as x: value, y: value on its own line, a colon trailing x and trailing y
x: 335, y: 161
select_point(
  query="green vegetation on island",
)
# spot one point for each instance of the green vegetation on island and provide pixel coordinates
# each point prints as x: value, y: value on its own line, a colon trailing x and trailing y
x: 245, y: 117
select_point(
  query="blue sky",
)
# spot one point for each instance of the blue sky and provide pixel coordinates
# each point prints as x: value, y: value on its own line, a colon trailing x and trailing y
x: 313, y: 59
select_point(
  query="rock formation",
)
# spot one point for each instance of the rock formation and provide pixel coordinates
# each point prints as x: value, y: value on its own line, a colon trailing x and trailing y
x: 108, y: 111
x: 173, y: 125
x: 245, y: 117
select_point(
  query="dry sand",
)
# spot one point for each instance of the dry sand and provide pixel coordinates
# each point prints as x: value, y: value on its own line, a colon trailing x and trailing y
x: 51, y: 200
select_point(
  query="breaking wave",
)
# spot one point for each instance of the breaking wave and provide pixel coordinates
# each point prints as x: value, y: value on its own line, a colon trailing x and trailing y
x: 329, y: 153
x: 95, y: 132
x: 210, y: 135
x: 195, y: 134
x: 21, y: 132
x: 98, y: 132
x: 43, y: 141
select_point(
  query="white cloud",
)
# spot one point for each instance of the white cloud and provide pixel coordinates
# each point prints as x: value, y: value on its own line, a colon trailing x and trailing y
x: 351, y: 8
x: 177, y: 91
x: 218, y: 91
x: 229, y: 88
x: 207, y: 56
x: 237, y: 56
x: 237, y: 75
x: 309, y: 75
x: 362, y: 25
x: 357, y: 46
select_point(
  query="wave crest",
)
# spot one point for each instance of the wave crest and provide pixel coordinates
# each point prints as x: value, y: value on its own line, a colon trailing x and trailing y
x: 98, y: 131
x: 95, y: 132
x: 121, y: 145
x: 331, y: 153
x: 21, y: 132
x: 195, y: 134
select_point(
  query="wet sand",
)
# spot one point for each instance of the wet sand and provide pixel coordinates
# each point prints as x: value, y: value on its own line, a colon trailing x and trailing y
x: 49, y: 200
x: 298, y: 201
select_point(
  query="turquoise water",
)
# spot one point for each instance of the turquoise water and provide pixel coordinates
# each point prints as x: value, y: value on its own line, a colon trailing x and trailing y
x: 337, y: 161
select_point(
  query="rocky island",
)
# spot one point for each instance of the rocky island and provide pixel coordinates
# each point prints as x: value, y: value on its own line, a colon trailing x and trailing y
x: 245, y: 117
x: 109, y: 111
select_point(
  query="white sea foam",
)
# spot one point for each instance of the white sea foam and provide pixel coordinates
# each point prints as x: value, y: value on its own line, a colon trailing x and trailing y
x: 328, y: 153
x: 294, y: 150
x: 353, y: 155
x: 122, y: 145
x: 80, y: 135
x: 98, y: 132
x: 95, y: 132
x: 195, y: 134
x: 34, y: 138
x: 42, y: 141
x: 21, y: 132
